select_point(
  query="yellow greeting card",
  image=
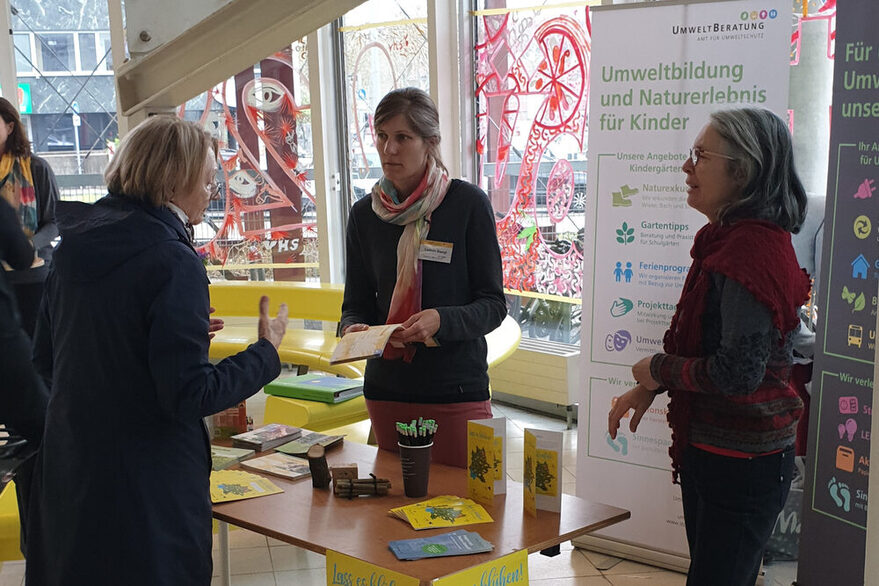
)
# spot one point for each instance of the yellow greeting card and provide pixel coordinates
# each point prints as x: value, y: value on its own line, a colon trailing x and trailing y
x: 480, y: 462
x: 497, y: 460
x: 529, y: 498
x: 547, y: 469
x: 510, y: 570
x: 346, y: 570
x: 443, y: 511
x: 234, y: 485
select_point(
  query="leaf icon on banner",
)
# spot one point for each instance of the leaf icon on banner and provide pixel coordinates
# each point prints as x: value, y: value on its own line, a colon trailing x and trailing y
x: 625, y: 235
x: 860, y: 303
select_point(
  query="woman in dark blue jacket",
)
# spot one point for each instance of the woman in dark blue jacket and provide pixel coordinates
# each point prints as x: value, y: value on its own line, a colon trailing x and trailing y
x: 121, y: 491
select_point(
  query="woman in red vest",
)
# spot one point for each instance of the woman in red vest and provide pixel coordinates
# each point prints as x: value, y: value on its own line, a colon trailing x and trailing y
x: 729, y: 351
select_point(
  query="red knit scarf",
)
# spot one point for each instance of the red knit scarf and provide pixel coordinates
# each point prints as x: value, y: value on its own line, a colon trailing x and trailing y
x: 758, y: 255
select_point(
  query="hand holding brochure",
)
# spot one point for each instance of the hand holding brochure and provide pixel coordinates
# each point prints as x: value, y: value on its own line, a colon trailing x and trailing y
x: 369, y: 343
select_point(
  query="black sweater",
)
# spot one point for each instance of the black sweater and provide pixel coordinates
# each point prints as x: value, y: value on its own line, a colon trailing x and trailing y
x: 467, y: 293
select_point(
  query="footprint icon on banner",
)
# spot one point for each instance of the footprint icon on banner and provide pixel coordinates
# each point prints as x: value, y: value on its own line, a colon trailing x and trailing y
x: 620, y: 445
x: 840, y: 494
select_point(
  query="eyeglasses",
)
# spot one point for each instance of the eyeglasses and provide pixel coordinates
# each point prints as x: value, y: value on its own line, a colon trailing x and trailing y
x: 696, y: 154
x: 213, y: 188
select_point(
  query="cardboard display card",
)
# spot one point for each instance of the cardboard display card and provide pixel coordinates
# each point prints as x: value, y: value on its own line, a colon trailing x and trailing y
x: 529, y: 498
x: 499, y: 461
x: 547, y: 460
x: 480, y: 462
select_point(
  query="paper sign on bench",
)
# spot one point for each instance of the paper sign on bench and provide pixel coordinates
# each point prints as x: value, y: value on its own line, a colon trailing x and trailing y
x: 510, y: 570
x: 344, y: 570
x: 543, y: 459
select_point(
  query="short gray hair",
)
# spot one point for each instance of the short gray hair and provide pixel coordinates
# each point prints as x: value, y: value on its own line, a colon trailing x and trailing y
x: 160, y: 155
x: 762, y: 145
x: 420, y: 112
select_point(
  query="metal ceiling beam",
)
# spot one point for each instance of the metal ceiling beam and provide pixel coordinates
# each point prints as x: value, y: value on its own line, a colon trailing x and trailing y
x: 227, y: 41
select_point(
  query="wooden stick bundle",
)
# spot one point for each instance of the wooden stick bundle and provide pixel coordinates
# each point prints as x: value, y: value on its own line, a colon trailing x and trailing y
x: 350, y: 488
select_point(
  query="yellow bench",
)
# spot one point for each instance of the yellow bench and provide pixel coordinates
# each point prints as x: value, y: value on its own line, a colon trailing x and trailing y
x: 237, y: 302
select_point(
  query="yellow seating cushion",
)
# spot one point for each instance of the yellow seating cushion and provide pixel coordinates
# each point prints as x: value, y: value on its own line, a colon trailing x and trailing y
x: 10, y: 529
x: 314, y: 415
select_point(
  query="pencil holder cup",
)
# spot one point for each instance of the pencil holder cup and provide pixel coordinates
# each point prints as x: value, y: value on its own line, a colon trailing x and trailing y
x: 416, y: 469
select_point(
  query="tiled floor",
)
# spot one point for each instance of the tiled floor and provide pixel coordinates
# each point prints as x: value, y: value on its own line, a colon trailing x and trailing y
x: 260, y: 561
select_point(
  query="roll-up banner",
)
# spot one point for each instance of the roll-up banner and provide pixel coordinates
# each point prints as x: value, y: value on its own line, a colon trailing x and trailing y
x: 658, y: 70
x: 832, y: 539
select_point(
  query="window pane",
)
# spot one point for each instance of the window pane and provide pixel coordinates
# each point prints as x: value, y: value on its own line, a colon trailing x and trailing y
x: 385, y: 44
x: 23, y: 53
x: 264, y: 224
x: 87, y: 58
x: 104, y: 49
x: 57, y: 51
x: 532, y: 74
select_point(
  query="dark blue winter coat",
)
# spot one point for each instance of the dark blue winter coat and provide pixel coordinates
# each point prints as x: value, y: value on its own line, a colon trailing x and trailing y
x: 121, y: 487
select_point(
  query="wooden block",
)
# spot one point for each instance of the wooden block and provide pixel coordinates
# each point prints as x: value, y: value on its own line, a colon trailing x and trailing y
x: 343, y: 471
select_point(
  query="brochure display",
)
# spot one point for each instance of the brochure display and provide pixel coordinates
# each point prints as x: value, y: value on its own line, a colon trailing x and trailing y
x: 648, y: 101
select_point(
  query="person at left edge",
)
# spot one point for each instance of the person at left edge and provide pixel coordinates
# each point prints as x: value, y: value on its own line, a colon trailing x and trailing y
x: 28, y: 184
x: 121, y: 489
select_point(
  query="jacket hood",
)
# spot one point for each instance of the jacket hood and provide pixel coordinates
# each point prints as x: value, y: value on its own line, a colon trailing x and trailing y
x: 97, y: 238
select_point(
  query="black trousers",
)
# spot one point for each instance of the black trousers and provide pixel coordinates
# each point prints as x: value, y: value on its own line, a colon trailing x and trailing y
x: 730, y: 507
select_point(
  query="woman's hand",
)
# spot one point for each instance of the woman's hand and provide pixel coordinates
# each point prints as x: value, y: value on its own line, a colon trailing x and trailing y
x: 354, y: 328
x: 641, y: 372
x: 420, y: 327
x: 272, y: 329
x: 638, y: 398
x: 215, y: 324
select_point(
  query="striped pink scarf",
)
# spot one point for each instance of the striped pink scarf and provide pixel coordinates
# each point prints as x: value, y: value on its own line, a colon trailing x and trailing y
x: 414, y: 214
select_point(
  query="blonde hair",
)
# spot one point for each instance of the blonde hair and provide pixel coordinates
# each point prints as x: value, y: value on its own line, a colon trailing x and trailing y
x: 161, y: 155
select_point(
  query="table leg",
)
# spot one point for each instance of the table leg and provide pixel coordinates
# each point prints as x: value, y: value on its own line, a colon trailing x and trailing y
x: 225, y: 561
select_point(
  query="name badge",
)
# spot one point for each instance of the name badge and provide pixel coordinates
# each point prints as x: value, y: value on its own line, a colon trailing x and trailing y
x: 435, y: 251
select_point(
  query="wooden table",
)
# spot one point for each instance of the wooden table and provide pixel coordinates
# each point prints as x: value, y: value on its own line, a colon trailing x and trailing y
x: 316, y: 520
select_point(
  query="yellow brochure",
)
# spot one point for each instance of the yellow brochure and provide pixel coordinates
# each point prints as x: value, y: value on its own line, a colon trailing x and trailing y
x: 480, y: 462
x: 234, y: 485
x: 443, y: 511
x: 349, y: 571
x: 510, y: 570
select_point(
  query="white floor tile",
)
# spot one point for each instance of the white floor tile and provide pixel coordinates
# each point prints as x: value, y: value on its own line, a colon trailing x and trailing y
x: 261, y: 579
x: 627, y: 567
x: 251, y: 560
x: 660, y: 578
x: 244, y: 538
x: 576, y: 581
x: 569, y: 563
x: 289, y: 557
x: 315, y: 577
